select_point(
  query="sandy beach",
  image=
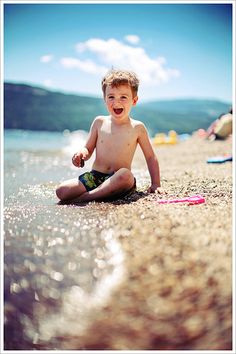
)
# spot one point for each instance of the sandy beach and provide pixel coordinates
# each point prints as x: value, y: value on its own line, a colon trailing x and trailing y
x: 161, y: 275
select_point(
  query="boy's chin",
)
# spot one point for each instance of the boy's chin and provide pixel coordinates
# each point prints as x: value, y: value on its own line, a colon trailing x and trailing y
x: 117, y: 116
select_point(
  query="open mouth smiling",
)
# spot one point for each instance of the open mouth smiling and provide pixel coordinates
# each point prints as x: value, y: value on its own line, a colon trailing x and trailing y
x: 118, y: 110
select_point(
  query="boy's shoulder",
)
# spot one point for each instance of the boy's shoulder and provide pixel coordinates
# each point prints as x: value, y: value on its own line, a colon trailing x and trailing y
x: 98, y: 121
x: 101, y: 118
x: 136, y: 123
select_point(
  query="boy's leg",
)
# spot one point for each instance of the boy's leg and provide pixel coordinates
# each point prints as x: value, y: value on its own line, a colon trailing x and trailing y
x: 70, y: 189
x: 122, y: 181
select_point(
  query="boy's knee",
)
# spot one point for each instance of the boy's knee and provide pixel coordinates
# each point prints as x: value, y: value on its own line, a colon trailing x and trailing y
x: 61, y: 192
x: 126, y: 178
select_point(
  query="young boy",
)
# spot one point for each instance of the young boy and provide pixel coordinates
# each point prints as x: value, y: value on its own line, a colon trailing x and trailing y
x: 115, y: 138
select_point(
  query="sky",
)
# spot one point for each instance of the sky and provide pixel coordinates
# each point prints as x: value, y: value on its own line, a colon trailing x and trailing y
x: 178, y: 50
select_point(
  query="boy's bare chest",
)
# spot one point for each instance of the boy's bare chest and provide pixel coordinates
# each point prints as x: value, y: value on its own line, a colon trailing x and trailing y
x: 117, y: 138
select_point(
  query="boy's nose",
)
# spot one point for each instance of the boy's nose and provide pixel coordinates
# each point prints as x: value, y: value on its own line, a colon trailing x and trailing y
x: 117, y: 100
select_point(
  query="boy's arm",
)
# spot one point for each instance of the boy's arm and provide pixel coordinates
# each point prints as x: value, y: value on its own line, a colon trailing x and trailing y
x: 92, y: 137
x: 86, y: 152
x: 151, y: 159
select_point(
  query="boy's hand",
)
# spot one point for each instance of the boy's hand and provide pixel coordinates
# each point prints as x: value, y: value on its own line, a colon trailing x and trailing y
x: 156, y: 189
x: 78, y: 159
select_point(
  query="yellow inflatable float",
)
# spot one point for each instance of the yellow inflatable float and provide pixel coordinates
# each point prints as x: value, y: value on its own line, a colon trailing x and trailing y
x: 163, y: 139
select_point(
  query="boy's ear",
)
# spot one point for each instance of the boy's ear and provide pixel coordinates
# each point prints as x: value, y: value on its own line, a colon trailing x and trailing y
x: 135, y: 100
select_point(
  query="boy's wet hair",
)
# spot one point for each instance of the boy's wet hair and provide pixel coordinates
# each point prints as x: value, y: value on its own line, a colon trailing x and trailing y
x: 115, y: 78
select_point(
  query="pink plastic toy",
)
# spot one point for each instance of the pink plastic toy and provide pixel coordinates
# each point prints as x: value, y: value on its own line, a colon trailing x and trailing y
x: 195, y: 199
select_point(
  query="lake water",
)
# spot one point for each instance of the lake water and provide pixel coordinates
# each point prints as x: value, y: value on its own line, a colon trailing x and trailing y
x: 36, y: 157
x: 60, y: 262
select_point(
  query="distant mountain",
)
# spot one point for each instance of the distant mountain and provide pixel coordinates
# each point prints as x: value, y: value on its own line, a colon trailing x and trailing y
x: 35, y: 108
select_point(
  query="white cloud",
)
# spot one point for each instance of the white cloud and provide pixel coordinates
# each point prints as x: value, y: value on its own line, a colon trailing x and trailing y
x: 85, y: 65
x: 132, y: 38
x: 114, y: 53
x: 101, y: 55
x: 46, y: 58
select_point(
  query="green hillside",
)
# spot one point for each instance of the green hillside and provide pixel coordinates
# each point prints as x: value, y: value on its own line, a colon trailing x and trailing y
x: 34, y: 108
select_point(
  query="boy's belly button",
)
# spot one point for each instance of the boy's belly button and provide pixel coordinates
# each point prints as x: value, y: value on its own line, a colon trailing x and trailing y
x: 108, y: 168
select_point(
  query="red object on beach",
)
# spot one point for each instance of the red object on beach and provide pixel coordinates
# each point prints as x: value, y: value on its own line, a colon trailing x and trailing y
x: 195, y: 199
x: 202, y: 133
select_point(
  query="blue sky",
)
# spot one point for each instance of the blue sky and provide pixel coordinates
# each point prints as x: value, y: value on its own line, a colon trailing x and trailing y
x: 178, y: 50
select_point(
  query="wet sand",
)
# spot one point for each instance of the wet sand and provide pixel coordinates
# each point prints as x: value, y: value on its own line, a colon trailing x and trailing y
x: 167, y: 268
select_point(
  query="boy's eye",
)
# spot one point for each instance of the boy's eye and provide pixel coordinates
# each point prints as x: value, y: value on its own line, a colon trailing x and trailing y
x: 122, y: 98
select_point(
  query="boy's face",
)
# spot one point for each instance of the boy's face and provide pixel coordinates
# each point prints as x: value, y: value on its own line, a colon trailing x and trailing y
x: 119, y: 101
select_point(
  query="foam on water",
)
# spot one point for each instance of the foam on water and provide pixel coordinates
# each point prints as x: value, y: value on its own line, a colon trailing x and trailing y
x: 76, y: 140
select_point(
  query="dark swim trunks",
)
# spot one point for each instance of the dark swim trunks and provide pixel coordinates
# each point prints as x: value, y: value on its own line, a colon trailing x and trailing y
x: 93, y: 179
